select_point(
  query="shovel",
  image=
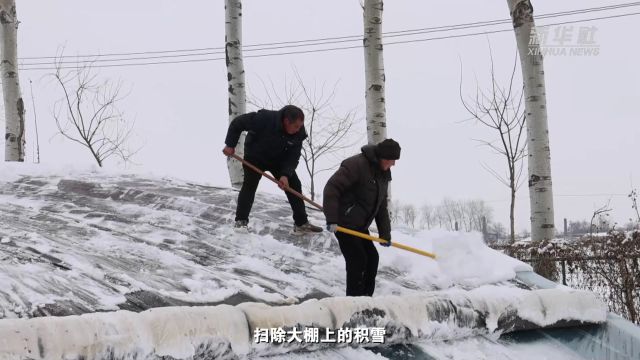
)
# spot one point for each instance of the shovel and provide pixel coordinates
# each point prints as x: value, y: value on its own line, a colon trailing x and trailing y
x: 340, y: 228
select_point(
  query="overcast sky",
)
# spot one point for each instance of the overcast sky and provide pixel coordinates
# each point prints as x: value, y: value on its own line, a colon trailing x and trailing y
x: 181, y: 109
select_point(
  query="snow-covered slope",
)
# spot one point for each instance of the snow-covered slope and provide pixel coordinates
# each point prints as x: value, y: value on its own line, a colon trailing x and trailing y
x: 90, y: 242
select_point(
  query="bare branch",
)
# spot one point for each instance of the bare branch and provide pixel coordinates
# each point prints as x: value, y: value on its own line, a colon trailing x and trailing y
x: 328, y: 131
x: 500, y: 108
x: 91, y: 117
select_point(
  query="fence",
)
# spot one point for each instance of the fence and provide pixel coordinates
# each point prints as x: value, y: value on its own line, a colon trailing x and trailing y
x: 608, y: 266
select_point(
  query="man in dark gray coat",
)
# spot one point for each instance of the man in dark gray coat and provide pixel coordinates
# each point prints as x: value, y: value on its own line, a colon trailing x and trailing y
x: 355, y: 196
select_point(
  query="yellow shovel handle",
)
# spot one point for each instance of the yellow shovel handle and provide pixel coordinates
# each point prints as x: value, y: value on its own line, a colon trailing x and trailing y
x: 382, y: 241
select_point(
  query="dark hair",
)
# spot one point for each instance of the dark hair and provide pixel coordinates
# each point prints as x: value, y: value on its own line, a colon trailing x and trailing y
x: 292, y: 113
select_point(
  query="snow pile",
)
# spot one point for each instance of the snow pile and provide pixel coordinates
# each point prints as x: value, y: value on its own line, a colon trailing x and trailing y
x: 556, y: 305
x: 225, y: 331
x: 463, y: 259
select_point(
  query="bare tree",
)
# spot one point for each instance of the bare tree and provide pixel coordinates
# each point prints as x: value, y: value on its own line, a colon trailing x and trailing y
x: 633, y: 196
x: 539, y: 158
x: 447, y: 213
x: 497, y: 231
x: 88, y: 113
x: 36, y: 157
x: 409, y: 215
x: 427, y: 216
x: 579, y: 227
x: 468, y: 214
x: 480, y: 213
x: 13, y: 103
x: 235, y: 80
x: 394, y: 211
x: 329, y: 132
x: 501, y: 109
x: 598, y: 213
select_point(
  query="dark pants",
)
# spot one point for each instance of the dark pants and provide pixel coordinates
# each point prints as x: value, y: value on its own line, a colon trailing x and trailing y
x: 248, y: 193
x: 361, y: 260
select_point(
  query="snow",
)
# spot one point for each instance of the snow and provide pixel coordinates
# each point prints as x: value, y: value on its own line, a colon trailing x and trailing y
x: 176, y: 332
x: 181, y: 332
x: 330, y: 354
x: 93, y: 240
x: 477, y: 348
x: 554, y: 302
x: 462, y: 259
x: 483, y: 348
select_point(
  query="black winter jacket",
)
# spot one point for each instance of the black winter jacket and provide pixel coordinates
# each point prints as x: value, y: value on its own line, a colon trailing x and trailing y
x: 357, y: 194
x: 267, y: 144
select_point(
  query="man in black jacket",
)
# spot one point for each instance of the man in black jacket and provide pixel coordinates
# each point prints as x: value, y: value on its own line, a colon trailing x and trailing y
x: 354, y: 196
x: 273, y: 143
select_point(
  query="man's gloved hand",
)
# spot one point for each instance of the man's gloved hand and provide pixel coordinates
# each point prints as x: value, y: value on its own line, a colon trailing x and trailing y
x: 332, y: 227
x: 388, y: 238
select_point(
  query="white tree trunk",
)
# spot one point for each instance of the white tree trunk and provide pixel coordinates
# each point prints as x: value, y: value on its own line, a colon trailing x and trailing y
x: 235, y: 78
x: 540, y: 190
x: 13, y: 104
x: 374, y: 72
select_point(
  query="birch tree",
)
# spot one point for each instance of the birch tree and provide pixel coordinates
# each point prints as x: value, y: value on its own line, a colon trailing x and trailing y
x: 235, y: 79
x: 374, y: 72
x: 13, y: 103
x: 539, y: 158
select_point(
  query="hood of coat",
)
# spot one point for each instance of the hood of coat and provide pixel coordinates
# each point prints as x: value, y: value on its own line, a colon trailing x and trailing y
x: 370, y: 154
